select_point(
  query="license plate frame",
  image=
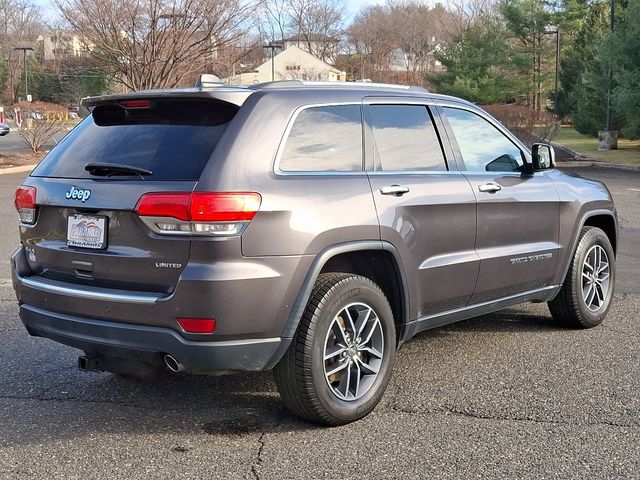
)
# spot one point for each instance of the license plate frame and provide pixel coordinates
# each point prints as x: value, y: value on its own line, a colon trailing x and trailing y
x: 92, y: 235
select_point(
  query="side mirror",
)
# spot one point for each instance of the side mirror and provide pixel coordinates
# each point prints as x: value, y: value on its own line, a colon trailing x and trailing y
x: 543, y: 157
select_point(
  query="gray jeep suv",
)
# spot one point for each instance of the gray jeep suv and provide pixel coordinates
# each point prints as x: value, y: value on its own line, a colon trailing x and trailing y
x: 306, y: 228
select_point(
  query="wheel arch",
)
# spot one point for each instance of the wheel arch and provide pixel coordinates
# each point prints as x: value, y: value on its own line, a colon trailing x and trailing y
x: 351, y: 258
x: 605, y: 222
x: 596, y: 218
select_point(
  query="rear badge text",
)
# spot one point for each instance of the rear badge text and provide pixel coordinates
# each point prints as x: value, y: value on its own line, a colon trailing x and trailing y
x: 168, y: 265
x: 78, y: 194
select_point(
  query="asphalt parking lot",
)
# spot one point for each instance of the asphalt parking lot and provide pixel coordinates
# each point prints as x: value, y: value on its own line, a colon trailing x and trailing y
x: 507, y: 395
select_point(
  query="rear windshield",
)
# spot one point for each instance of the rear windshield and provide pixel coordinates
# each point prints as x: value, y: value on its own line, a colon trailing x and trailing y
x: 171, y: 139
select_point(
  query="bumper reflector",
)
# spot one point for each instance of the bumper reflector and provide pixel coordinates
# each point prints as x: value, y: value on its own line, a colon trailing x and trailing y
x: 197, y: 325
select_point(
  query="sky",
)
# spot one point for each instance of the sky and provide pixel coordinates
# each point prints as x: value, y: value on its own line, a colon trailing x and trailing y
x: 353, y: 6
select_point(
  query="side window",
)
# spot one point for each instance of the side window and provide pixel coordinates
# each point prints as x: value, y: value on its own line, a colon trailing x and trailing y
x: 324, y: 139
x: 484, y: 148
x: 405, y: 138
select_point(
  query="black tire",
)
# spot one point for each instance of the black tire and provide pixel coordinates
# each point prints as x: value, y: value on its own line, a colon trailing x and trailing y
x: 300, y: 374
x: 569, y: 307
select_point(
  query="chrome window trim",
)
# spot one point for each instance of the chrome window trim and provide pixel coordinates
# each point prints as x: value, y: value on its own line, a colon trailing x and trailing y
x: 413, y: 172
x: 471, y: 173
x: 292, y: 119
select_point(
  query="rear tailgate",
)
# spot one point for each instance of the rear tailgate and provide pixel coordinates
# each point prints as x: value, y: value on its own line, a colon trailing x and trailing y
x: 86, y: 228
x: 132, y: 257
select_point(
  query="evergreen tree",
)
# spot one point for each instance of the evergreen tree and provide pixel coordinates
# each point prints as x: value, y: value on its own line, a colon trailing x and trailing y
x: 527, y: 21
x: 4, y: 76
x: 621, y: 49
x: 481, y: 65
x: 583, y: 26
x: 48, y: 87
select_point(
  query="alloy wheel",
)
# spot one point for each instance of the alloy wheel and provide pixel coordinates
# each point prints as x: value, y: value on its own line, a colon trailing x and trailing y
x: 353, y: 351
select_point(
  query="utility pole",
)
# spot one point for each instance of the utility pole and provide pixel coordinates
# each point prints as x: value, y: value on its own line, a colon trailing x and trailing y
x: 26, y: 79
x: 273, y: 46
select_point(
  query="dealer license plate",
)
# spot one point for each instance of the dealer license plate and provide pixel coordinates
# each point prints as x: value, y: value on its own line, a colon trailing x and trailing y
x: 86, y: 231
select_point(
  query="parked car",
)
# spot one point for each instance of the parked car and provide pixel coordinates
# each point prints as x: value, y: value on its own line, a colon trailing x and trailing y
x: 74, y: 112
x: 307, y: 228
x: 4, y: 129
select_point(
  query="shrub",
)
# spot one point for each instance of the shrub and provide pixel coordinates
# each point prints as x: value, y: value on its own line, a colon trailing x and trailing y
x: 528, y: 124
x: 40, y: 122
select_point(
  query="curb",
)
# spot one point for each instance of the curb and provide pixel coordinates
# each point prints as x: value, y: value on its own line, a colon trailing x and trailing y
x: 582, y: 161
x: 596, y: 163
x: 20, y: 169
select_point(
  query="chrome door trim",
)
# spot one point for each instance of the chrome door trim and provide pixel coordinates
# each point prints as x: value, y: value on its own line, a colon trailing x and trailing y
x: 89, y: 292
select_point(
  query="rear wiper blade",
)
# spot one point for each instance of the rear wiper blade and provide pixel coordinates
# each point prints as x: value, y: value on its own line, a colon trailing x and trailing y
x: 109, y: 169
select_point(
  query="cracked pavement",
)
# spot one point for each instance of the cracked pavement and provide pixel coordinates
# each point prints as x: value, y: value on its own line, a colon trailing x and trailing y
x: 506, y: 395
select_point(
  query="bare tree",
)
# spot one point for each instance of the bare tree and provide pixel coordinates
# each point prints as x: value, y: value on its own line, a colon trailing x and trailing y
x: 318, y: 24
x: 373, y: 38
x: 40, y: 122
x: 20, y: 25
x: 397, y: 41
x: 156, y: 43
x: 466, y: 12
x: 273, y: 20
x: 314, y: 25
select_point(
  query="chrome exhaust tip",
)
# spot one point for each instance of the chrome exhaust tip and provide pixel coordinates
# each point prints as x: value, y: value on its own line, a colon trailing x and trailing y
x: 172, y: 364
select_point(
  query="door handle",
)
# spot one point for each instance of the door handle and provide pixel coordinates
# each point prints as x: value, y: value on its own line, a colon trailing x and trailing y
x: 397, y: 190
x: 490, y: 187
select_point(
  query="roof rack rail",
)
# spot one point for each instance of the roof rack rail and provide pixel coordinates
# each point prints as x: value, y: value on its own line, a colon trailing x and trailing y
x: 357, y: 84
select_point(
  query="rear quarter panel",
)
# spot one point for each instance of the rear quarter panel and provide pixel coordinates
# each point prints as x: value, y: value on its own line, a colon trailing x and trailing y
x: 299, y: 214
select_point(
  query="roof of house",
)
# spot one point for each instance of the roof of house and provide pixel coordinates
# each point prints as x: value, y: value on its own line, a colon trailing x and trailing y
x: 312, y: 37
x: 294, y: 50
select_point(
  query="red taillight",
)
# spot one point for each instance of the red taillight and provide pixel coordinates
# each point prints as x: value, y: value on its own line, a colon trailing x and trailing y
x: 136, y: 103
x: 25, y: 202
x: 25, y: 197
x: 200, y: 213
x: 224, y: 207
x: 197, y: 325
x: 175, y: 205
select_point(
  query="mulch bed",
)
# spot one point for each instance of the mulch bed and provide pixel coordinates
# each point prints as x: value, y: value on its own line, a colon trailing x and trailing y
x: 19, y: 159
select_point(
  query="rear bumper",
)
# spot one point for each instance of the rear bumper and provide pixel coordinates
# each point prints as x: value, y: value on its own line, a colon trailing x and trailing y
x: 103, y: 321
x: 150, y: 344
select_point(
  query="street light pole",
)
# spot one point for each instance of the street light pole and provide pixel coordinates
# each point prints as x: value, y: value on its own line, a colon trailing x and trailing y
x: 556, y: 32
x: 609, y: 112
x: 608, y: 138
x: 273, y: 46
x: 26, y: 73
x: 555, y: 96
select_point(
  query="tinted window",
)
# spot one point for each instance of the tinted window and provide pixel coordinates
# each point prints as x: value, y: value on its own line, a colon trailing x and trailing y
x: 173, y: 139
x: 324, y: 139
x: 405, y: 138
x: 483, y: 147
